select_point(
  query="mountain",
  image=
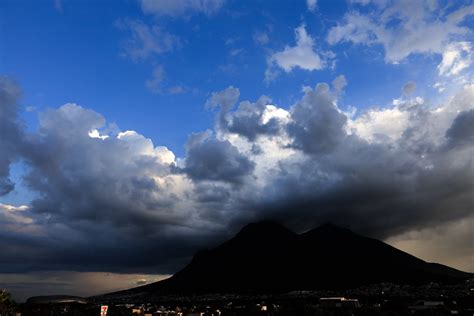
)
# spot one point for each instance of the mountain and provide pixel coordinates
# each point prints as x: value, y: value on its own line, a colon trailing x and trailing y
x: 267, y: 257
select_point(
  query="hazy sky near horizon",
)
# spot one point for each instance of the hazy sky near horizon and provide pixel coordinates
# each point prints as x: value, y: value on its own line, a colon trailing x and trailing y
x: 135, y: 132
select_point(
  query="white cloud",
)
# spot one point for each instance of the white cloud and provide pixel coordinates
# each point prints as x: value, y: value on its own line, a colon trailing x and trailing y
x: 311, y: 5
x: 14, y: 214
x: 380, y: 125
x: 456, y: 57
x: 302, y: 55
x: 403, y: 28
x: 181, y: 7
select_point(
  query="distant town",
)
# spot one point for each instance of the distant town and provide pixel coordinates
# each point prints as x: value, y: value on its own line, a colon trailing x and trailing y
x: 382, y: 299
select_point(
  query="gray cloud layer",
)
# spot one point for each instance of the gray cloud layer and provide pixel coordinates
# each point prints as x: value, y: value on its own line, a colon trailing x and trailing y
x: 10, y: 130
x: 110, y: 200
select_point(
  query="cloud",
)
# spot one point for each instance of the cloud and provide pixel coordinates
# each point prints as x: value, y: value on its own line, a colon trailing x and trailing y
x: 339, y: 83
x: 236, y: 51
x: 114, y: 200
x: 158, y: 83
x: 177, y: 8
x: 25, y: 285
x: 177, y: 89
x: 311, y: 5
x: 217, y: 160
x: 361, y: 2
x: 451, y: 244
x: 302, y: 55
x: 317, y: 125
x: 224, y: 99
x: 250, y: 119
x: 403, y: 28
x: 380, y: 124
x: 456, y: 57
x: 133, y: 167
x: 13, y: 215
x: 11, y: 131
x: 461, y: 131
x: 146, y: 40
x: 116, y: 186
x: 154, y: 84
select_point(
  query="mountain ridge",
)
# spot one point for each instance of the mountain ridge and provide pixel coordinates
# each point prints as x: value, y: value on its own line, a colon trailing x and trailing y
x: 268, y: 257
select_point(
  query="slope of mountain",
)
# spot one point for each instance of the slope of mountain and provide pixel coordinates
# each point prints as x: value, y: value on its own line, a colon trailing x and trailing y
x: 267, y: 257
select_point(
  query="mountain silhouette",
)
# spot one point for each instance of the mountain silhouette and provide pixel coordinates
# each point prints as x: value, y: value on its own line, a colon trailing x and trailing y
x: 267, y: 257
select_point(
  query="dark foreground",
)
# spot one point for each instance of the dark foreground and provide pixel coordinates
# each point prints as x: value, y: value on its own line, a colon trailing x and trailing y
x: 381, y: 299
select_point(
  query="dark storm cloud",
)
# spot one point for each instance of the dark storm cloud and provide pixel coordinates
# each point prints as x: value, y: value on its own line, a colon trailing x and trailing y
x: 317, y: 125
x: 83, y: 178
x: 377, y: 188
x: 211, y: 159
x: 462, y: 130
x: 114, y: 201
x: 247, y: 120
x: 380, y: 198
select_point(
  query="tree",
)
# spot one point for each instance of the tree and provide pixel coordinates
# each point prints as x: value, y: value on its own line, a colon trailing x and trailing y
x: 7, y: 305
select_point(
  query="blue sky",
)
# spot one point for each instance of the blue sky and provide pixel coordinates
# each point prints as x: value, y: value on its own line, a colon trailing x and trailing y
x: 132, y: 125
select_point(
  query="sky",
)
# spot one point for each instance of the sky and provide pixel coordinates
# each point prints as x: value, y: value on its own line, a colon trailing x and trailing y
x: 135, y: 132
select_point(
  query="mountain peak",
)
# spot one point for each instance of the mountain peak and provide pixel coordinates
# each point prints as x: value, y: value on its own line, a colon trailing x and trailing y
x: 265, y: 228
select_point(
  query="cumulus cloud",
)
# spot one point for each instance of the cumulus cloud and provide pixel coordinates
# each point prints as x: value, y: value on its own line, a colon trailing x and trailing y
x: 117, y: 186
x: 119, y: 172
x: 302, y: 55
x: 317, y: 124
x: 403, y: 28
x: 462, y: 130
x: 177, y: 8
x: 218, y: 160
x: 112, y: 199
x: 456, y: 57
x: 249, y: 119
